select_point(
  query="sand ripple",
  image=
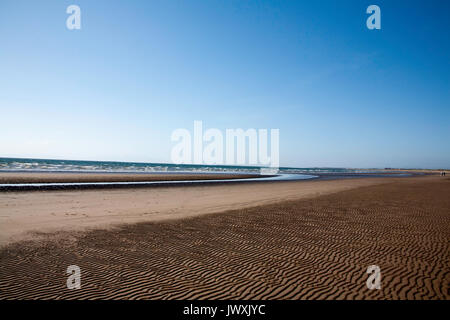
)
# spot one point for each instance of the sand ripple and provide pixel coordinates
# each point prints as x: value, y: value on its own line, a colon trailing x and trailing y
x: 307, y: 249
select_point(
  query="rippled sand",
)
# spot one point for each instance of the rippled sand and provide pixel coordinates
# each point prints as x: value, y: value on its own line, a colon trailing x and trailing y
x: 313, y: 248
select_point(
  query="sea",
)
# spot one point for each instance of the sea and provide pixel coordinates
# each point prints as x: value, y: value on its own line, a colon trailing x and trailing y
x: 52, y: 165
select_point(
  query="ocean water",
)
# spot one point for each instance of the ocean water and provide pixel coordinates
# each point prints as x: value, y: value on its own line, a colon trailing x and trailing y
x: 47, y: 165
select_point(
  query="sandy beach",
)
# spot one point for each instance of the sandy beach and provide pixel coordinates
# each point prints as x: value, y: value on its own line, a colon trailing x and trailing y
x: 280, y: 240
x: 30, y: 215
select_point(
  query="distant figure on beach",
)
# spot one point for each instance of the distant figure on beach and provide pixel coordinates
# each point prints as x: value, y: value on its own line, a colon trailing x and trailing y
x: 442, y: 173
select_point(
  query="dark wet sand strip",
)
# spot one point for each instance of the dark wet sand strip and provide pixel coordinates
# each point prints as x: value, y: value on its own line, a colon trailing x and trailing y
x: 77, y: 177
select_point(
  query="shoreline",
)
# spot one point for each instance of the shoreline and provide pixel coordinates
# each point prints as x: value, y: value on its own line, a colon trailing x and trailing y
x: 49, y: 181
x: 21, y: 177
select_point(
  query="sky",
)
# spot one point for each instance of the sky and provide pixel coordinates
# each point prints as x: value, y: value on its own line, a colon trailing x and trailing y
x: 340, y: 94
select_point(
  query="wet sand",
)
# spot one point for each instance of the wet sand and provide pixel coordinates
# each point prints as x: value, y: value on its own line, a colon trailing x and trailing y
x: 314, y: 244
x: 77, y: 177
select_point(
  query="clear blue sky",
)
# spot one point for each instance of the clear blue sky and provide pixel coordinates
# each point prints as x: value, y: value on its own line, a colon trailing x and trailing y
x: 341, y: 95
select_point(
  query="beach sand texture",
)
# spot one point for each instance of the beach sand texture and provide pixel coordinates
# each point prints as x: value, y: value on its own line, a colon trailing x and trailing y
x: 22, y: 213
x: 318, y: 247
